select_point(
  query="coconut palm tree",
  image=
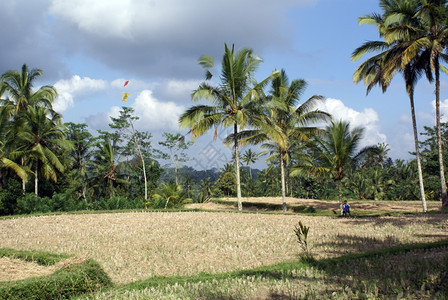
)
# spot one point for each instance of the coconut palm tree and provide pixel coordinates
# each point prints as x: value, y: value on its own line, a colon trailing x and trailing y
x: 106, y: 169
x: 250, y: 157
x: 379, y: 69
x: 43, y: 141
x: 283, y: 123
x: 18, y: 87
x: 234, y: 99
x: 5, y: 140
x: 19, y: 92
x: 335, y: 152
x: 429, y: 40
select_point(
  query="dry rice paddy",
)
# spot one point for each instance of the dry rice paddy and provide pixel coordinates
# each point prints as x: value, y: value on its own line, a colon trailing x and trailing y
x: 132, y: 246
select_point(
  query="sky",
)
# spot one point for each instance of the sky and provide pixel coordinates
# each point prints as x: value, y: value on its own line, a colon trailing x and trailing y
x: 87, y: 49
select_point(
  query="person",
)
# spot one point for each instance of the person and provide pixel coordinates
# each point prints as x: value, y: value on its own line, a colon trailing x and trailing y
x: 345, y: 209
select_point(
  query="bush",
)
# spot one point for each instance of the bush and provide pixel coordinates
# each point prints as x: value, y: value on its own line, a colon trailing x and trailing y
x: 29, y: 203
x: 9, y: 196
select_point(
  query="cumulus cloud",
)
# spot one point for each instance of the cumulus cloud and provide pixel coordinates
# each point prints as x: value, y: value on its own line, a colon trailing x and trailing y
x: 443, y: 110
x: 73, y: 87
x: 155, y: 114
x: 368, y: 118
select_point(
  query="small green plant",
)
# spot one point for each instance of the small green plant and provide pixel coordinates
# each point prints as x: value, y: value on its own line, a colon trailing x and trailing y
x: 301, y: 232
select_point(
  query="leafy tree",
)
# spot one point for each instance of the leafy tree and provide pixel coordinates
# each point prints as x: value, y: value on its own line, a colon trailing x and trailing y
x: 124, y: 124
x: 234, y: 99
x: 176, y: 147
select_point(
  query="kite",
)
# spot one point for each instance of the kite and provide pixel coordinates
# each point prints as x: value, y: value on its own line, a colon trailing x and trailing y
x: 125, y: 96
x: 126, y: 83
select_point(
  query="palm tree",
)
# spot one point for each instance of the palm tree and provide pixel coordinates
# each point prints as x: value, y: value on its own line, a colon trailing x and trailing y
x: 250, y: 157
x: 43, y: 141
x: 19, y: 89
x: 233, y: 100
x: 381, y: 68
x: 106, y: 166
x: 283, y: 123
x: 5, y: 140
x: 430, y: 41
x: 335, y: 153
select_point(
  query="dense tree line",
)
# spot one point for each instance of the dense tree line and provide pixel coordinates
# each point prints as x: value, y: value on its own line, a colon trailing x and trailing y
x: 46, y: 165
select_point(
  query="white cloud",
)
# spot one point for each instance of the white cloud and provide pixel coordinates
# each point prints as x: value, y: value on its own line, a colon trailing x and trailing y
x: 443, y: 109
x: 155, y: 114
x: 75, y: 86
x: 368, y: 119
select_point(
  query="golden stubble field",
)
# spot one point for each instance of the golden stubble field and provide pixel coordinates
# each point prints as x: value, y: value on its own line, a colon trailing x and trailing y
x: 132, y: 246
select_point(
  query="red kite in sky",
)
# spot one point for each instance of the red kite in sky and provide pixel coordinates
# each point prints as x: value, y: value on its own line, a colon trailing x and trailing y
x: 126, y: 83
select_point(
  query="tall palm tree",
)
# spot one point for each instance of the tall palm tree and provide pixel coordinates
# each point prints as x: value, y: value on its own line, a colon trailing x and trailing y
x: 43, y: 140
x: 283, y: 123
x: 250, y: 157
x: 379, y: 69
x: 233, y: 100
x: 335, y: 153
x: 429, y: 40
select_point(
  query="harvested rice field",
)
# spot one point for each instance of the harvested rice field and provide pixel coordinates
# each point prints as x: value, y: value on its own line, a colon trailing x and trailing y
x: 356, y: 206
x: 133, y: 246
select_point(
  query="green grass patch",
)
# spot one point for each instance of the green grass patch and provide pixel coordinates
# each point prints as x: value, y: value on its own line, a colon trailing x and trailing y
x: 70, y: 280
x: 39, y: 257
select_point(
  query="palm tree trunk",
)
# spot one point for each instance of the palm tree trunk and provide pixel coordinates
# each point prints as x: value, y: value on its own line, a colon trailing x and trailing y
x: 340, y: 194
x: 444, y: 195
x: 23, y: 179
x: 237, y: 169
x: 282, y: 170
x: 417, y: 153
x: 35, y: 180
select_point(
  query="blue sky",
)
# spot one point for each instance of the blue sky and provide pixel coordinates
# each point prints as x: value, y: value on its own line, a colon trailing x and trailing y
x: 87, y: 49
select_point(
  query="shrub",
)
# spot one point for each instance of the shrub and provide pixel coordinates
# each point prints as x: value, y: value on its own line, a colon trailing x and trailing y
x: 29, y: 203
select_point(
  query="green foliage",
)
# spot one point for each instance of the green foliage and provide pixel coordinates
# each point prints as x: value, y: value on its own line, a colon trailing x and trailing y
x: 8, y: 197
x: 117, y: 202
x: 65, y: 283
x: 301, y: 232
x: 29, y: 203
x: 169, y: 195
